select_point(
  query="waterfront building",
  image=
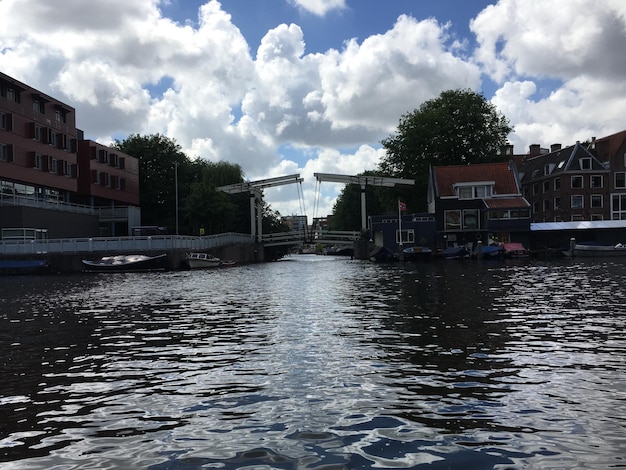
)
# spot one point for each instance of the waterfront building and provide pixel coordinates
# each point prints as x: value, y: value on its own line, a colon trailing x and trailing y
x: 51, y: 178
x: 481, y: 202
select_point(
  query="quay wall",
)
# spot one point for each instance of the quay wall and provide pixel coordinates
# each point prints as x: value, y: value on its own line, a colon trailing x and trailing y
x: 71, y: 262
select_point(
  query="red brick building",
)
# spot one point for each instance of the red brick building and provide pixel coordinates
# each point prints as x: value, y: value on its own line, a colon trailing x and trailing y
x: 53, y: 179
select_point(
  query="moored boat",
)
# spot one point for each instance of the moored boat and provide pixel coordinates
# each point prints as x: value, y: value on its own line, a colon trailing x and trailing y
x: 455, y: 252
x: 23, y: 266
x: 202, y: 260
x: 592, y: 249
x: 488, y: 251
x: 127, y: 263
x: 515, y: 250
x: 416, y: 253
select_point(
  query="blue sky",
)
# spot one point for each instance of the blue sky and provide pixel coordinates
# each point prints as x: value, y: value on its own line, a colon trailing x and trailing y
x: 305, y: 86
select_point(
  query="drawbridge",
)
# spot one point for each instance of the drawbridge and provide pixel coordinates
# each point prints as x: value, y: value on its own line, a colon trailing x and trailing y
x: 256, y: 188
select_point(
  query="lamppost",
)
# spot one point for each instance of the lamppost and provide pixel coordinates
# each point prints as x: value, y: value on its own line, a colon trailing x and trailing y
x: 176, y: 183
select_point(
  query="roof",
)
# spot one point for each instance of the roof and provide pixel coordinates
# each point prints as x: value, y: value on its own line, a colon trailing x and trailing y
x: 506, y: 203
x: 445, y: 177
x: 609, y: 145
x: 578, y: 225
x: 559, y: 161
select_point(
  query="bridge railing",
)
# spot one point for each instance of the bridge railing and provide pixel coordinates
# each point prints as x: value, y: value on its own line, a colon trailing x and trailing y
x: 122, y: 244
x: 329, y: 237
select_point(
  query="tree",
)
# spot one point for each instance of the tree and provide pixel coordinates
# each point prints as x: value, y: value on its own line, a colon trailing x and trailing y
x: 158, y: 155
x: 459, y: 127
x: 347, y: 207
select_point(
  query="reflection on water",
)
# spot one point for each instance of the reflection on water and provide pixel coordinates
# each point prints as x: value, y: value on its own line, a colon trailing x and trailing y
x: 317, y: 362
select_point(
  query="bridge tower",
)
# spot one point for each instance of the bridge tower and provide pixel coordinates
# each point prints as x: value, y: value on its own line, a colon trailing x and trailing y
x: 256, y: 197
x: 363, y: 181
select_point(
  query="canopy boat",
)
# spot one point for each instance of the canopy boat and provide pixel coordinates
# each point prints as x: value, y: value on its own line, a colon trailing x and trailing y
x: 127, y: 263
x: 488, y: 251
x: 515, y: 250
x: 455, y: 252
x: 202, y: 260
x: 589, y: 249
x: 23, y: 266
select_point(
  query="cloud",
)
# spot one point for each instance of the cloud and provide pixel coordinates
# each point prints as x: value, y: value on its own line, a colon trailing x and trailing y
x: 556, y: 69
x: 319, y: 7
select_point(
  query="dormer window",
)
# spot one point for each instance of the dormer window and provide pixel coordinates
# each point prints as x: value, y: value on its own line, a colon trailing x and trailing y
x: 585, y: 163
x: 476, y: 190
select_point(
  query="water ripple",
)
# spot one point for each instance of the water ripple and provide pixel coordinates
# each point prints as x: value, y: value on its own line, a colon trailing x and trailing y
x: 317, y: 362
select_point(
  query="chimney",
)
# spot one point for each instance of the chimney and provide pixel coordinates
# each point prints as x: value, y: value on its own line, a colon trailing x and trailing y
x: 535, y: 150
x: 555, y: 148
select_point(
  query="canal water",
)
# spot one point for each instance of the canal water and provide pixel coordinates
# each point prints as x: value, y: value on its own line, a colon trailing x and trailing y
x: 317, y: 362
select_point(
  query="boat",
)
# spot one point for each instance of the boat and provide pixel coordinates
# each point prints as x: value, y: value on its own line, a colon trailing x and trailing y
x: 127, y: 263
x: 589, y: 249
x: 455, y: 252
x: 23, y: 266
x: 488, y: 251
x: 381, y: 254
x: 202, y: 260
x: 515, y: 250
x: 227, y: 263
x: 416, y: 253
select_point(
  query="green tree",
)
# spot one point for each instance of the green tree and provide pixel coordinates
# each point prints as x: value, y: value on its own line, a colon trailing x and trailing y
x: 158, y: 155
x: 458, y: 127
x: 347, y: 207
x: 204, y: 207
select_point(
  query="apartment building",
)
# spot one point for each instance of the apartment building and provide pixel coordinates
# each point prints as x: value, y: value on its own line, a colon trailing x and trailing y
x: 54, y: 180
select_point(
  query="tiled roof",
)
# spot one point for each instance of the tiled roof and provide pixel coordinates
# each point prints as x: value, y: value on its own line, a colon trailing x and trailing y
x: 506, y: 202
x: 612, y: 143
x: 447, y: 176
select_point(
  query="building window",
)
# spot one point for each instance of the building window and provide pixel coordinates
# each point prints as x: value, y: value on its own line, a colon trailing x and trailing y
x: 557, y: 203
x: 596, y: 181
x: 6, y: 121
x: 585, y: 163
x: 618, y: 207
x: 557, y: 184
x: 60, y: 115
x: 471, y: 219
x: 577, y: 181
x: 546, y: 205
x: 6, y: 152
x: 38, y: 133
x: 577, y: 201
x: 620, y: 179
x: 577, y: 217
x: 474, y: 191
x: 408, y: 236
x: 597, y: 201
x: 535, y: 189
x: 536, y: 207
x: 40, y: 162
x: 452, y: 220
x: 38, y: 105
x: 546, y: 186
x: 597, y: 217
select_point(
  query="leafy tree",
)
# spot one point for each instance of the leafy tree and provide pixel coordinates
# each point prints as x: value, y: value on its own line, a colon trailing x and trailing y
x: 158, y: 155
x: 458, y: 127
x: 347, y: 208
x: 214, y: 211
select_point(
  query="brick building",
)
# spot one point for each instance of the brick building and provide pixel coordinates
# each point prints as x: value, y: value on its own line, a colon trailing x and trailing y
x: 53, y: 179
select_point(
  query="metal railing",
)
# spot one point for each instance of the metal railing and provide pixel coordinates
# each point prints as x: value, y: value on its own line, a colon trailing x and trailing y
x: 327, y: 237
x: 10, y: 200
x: 122, y: 244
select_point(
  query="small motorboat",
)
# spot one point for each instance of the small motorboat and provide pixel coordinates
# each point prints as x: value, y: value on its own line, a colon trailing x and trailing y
x: 416, y: 253
x: 127, y: 263
x: 488, y: 251
x: 592, y: 249
x: 202, y: 260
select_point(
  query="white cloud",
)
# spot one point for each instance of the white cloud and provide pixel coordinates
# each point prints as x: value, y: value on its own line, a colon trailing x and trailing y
x: 558, y: 65
x: 320, y: 7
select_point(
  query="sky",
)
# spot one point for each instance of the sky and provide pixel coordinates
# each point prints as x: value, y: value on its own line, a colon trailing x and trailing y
x: 312, y: 86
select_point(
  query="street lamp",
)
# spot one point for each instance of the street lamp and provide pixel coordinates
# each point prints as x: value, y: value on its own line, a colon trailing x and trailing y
x: 176, y: 183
